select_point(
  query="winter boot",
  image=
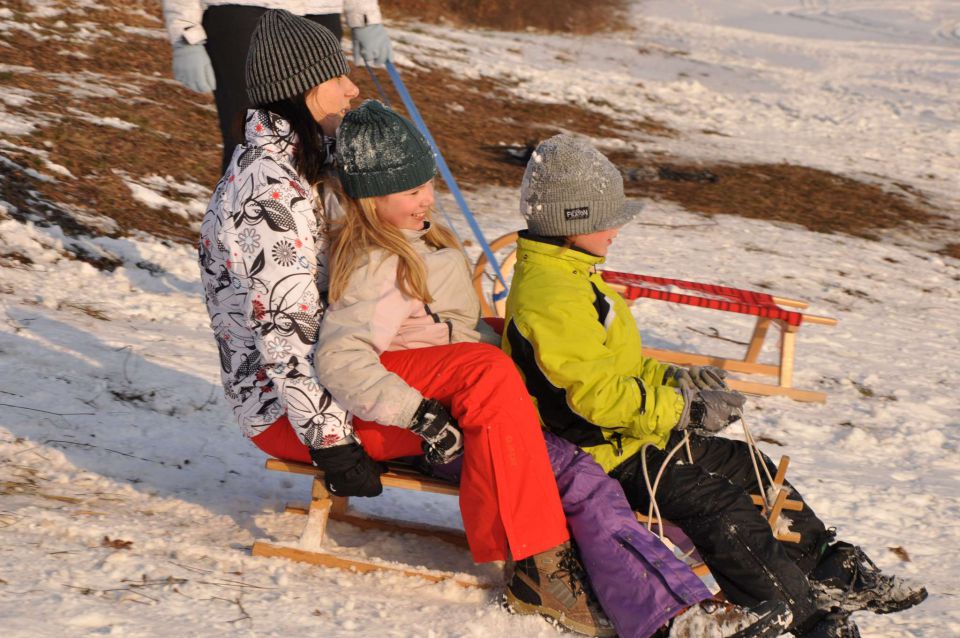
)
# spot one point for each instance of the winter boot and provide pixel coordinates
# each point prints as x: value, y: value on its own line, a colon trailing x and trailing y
x: 848, y: 580
x: 716, y: 619
x: 836, y: 624
x: 553, y: 583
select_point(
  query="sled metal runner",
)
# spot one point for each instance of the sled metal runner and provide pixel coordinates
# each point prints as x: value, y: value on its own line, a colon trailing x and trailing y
x: 782, y: 312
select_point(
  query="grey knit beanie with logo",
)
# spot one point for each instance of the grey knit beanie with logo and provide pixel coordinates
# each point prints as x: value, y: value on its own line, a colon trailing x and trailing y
x: 289, y: 55
x: 380, y: 152
x: 570, y: 188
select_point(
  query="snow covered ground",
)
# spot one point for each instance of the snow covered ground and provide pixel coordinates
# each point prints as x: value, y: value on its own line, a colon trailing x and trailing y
x: 112, y: 423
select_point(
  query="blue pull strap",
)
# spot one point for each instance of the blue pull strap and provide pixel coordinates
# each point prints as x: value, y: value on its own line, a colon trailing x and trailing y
x: 444, y: 170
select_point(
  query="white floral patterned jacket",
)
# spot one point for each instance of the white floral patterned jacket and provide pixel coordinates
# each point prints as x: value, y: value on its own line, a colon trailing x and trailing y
x: 263, y: 263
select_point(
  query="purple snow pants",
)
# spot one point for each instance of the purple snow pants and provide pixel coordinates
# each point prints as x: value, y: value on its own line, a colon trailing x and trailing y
x: 639, y: 582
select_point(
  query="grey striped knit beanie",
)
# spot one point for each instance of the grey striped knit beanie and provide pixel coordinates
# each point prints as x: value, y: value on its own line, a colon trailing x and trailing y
x: 570, y: 188
x: 380, y: 152
x: 289, y: 55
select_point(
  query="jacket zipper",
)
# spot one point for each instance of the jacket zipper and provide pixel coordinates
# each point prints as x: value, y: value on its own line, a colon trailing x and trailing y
x: 643, y: 395
x: 617, y: 443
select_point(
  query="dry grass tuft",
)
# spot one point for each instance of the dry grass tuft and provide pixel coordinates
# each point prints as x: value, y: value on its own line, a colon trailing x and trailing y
x: 816, y: 199
x: 564, y: 16
x: 951, y: 250
x: 475, y: 121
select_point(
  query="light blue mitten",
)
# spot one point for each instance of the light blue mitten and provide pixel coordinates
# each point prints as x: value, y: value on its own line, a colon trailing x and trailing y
x: 192, y: 67
x: 371, y: 44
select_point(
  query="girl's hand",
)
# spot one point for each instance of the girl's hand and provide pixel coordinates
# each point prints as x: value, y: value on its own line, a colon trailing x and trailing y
x: 441, y: 434
x: 699, y: 377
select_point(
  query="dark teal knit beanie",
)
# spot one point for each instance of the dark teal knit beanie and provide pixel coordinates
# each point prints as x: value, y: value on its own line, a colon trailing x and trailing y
x: 381, y: 152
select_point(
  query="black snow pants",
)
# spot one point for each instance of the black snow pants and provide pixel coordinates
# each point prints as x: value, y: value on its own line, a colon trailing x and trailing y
x: 229, y: 28
x: 709, y: 500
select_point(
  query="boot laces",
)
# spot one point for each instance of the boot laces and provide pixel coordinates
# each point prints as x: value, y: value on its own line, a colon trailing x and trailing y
x: 569, y: 567
x: 866, y: 574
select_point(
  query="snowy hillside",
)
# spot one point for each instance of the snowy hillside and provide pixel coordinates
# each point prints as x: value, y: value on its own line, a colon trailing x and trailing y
x: 129, y: 500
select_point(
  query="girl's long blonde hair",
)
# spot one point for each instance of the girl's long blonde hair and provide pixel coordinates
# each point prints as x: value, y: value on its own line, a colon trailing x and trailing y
x: 361, y: 229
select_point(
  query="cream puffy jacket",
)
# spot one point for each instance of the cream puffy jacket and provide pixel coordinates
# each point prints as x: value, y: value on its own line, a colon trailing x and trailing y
x: 374, y: 316
x: 184, y: 17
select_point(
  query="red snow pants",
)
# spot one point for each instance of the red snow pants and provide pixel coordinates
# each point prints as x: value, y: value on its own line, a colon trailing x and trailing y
x: 508, y: 494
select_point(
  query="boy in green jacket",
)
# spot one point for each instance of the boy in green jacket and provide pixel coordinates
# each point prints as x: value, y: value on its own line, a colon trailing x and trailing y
x: 578, y: 348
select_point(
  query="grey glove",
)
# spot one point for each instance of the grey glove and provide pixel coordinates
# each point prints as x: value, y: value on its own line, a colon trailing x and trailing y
x: 371, y: 44
x: 712, y: 410
x: 192, y: 67
x: 698, y: 377
x: 441, y: 434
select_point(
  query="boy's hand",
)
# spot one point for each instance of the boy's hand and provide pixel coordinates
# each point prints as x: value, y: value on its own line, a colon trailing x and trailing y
x: 713, y: 410
x: 441, y: 434
x: 371, y: 44
x: 698, y: 377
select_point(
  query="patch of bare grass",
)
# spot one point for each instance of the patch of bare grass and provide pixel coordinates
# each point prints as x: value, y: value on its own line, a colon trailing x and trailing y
x: 951, y: 250
x: 470, y: 117
x: 477, y: 124
x: 564, y: 16
x: 816, y: 199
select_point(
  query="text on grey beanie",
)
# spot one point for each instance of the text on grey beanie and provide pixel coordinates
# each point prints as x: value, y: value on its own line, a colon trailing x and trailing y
x: 289, y: 55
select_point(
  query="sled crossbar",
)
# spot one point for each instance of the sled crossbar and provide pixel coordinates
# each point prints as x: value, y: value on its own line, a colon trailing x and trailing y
x: 324, y: 506
x: 767, y: 308
x: 711, y: 296
x: 782, y: 312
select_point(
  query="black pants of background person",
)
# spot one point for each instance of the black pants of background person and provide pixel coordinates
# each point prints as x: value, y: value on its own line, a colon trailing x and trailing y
x: 229, y: 28
x: 709, y: 500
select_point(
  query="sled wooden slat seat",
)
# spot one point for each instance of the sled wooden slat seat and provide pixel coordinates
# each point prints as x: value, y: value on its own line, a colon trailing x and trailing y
x: 770, y: 310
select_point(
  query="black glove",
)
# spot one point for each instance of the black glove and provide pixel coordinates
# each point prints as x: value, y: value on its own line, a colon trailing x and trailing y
x: 348, y: 471
x: 713, y: 410
x: 441, y: 434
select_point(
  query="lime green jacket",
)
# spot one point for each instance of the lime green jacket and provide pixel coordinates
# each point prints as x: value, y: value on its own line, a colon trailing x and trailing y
x: 578, y: 348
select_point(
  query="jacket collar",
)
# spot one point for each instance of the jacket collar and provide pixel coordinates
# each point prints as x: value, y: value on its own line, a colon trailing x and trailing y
x: 270, y: 132
x: 414, y: 236
x: 554, y: 250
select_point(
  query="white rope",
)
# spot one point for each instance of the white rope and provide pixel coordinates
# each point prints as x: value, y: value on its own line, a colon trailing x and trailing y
x: 652, y: 489
x: 756, y: 457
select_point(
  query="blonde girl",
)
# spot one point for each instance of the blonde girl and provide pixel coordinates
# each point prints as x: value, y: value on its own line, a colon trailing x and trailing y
x: 399, y: 282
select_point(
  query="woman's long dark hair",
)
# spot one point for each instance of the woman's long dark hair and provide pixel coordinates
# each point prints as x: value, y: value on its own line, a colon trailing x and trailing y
x: 310, y: 154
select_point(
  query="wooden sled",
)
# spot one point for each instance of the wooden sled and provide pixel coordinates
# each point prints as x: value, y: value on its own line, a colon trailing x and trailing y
x: 324, y: 506
x: 782, y: 312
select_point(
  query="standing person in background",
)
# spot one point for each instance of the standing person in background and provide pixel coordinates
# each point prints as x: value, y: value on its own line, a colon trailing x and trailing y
x: 210, y: 39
